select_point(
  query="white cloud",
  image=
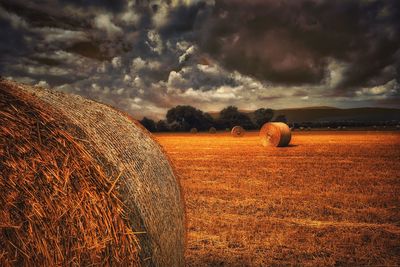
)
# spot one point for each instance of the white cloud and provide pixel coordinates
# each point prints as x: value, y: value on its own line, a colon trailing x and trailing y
x: 27, y: 80
x: 95, y: 88
x: 160, y: 18
x: 104, y: 22
x: 139, y: 64
x: 127, y: 78
x: 66, y: 37
x: 67, y: 88
x: 42, y: 70
x: 116, y: 62
x: 176, y: 3
x: 43, y: 84
x: 335, y: 73
x: 130, y: 17
x: 190, y: 51
x: 15, y: 21
x: 175, y: 80
x: 155, y: 42
x: 389, y: 88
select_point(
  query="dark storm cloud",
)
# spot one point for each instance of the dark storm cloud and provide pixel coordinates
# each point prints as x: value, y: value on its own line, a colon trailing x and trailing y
x: 185, y: 19
x: 111, y: 5
x: 140, y: 55
x: 120, y: 52
x: 42, y: 13
x: 290, y: 42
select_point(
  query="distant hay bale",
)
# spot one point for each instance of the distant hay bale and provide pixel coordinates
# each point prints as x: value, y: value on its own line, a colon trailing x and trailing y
x: 237, y: 131
x: 193, y: 130
x: 83, y: 184
x: 212, y: 130
x: 275, y: 134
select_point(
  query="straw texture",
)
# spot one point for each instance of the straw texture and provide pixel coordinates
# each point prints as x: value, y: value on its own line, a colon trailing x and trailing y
x: 105, y: 192
x: 275, y: 134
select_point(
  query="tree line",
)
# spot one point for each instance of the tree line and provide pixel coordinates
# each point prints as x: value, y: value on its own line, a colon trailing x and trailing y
x: 183, y: 118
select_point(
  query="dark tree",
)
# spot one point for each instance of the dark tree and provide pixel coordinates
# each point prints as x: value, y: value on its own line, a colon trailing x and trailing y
x: 149, y: 124
x: 231, y: 116
x: 186, y: 117
x: 281, y: 118
x: 162, y: 126
x: 263, y: 115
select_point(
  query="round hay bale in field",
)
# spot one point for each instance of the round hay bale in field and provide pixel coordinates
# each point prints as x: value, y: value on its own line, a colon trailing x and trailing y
x: 212, y: 130
x: 275, y: 134
x: 237, y: 131
x: 83, y: 184
x: 193, y: 130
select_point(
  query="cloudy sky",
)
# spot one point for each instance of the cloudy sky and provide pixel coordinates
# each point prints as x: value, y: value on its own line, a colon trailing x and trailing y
x: 147, y: 56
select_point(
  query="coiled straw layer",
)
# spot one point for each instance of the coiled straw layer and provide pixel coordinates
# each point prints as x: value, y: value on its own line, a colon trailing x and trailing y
x: 237, y: 131
x: 82, y: 184
x: 275, y: 134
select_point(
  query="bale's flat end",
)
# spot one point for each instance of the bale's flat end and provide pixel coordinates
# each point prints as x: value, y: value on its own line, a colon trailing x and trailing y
x: 275, y: 134
x: 237, y: 131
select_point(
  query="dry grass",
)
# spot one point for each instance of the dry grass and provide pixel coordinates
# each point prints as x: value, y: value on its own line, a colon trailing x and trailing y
x: 57, y: 206
x: 332, y: 198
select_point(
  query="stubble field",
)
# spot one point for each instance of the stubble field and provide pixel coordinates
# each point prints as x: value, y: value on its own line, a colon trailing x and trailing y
x: 332, y: 198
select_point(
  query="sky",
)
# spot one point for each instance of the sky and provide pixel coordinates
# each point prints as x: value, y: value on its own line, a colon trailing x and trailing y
x: 145, y: 57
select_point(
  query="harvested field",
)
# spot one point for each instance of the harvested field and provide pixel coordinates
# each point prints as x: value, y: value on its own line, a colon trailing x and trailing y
x: 331, y: 198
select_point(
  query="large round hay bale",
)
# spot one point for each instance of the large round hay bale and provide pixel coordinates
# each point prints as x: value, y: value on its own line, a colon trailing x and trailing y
x: 83, y: 184
x: 275, y: 134
x: 237, y: 131
x: 193, y: 130
x: 212, y: 130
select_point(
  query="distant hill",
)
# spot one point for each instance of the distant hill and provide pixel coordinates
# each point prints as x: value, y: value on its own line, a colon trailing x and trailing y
x: 331, y: 114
